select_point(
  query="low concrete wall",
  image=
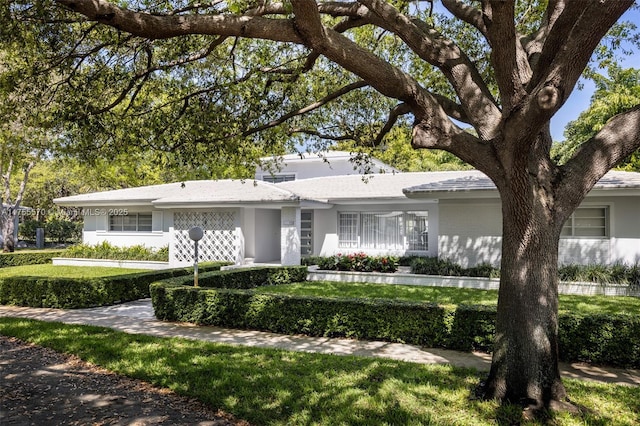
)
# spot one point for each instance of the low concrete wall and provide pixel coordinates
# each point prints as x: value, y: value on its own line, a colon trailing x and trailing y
x: 133, y: 264
x: 404, y: 278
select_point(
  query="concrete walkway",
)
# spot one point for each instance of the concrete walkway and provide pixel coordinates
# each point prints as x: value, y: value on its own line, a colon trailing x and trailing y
x: 138, y: 318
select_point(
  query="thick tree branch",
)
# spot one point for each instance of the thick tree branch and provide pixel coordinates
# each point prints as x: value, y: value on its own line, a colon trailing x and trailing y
x: 428, y: 44
x: 507, y: 55
x: 572, y: 39
x: 162, y: 27
x: 534, y: 43
x: 556, y: 80
x: 467, y: 13
x: 612, y: 144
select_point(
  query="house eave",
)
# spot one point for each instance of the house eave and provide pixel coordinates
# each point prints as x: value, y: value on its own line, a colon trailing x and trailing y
x: 266, y: 204
x: 442, y: 195
x: 103, y: 203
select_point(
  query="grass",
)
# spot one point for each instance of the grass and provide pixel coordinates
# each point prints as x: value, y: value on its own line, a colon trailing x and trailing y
x: 63, y: 271
x: 275, y: 387
x: 448, y: 295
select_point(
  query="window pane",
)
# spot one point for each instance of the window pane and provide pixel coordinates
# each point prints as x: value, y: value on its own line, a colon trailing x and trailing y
x: 115, y: 223
x: 348, y: 230
x: 417, y: 229
x: 590, y: 232
x: 382, y: 230
x: 589, y: 212
x: 129, y: 223
x: 144, y: 222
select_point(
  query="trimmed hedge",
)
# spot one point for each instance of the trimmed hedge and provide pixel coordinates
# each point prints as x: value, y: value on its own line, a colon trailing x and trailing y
x: 601, y: 339
x: 27, y: 258
x: 71, y: 293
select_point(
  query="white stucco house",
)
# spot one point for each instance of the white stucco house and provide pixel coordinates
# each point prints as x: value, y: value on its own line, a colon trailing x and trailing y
x: 311, y: 207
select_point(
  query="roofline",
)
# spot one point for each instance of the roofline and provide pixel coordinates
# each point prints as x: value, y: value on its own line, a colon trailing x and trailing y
x: 102, y: 203
x: 225, y: 204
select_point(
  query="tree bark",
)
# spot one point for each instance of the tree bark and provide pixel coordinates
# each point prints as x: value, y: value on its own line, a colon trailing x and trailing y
x: 524, y: 368
x: 8, y: 228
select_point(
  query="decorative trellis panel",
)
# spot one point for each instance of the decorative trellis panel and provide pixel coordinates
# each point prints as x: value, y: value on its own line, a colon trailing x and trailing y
x: 219, y: 242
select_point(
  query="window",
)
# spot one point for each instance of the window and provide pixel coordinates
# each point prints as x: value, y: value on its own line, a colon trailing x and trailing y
x: 348, y: 230
x: 278, y: 178
x: 393, y: 230
x: 587, y: 222
x: 135, y: 222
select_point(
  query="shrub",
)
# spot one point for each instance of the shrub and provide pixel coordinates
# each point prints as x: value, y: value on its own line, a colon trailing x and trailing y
x: 603, y: 339
x: 435, y: 266
x: 359, y: 262
x: 27, y: 229
x: 358, y: 318
x: 61, y: 230
x: 68, y: 293
x: 27, y: 258
x: 55, y: 229
x: 105, y: 250
x: 602, y: 274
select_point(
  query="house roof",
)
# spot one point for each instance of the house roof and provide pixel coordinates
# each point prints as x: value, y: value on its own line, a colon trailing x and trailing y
x: 476, y: 181
x: 193, y: 193
x: 345, y: 189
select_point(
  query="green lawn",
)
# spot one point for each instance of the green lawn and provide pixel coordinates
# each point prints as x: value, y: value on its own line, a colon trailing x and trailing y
x: 61, y: 271
x: 447, y: 295
x: 275, y: 387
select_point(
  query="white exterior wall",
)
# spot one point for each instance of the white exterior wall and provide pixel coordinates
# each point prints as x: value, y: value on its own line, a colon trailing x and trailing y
x: 248, y: 229
x: 325, y: 228
x: 96, y: 229
x: 267, y: 235
x: 623, y: 243
x: 290, y: 236
x: 470, y: 231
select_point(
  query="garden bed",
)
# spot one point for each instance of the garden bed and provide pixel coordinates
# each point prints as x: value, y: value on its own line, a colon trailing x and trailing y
x: 404, y: 277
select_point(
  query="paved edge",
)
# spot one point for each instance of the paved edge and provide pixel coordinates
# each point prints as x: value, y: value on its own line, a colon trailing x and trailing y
x: 137, y: 318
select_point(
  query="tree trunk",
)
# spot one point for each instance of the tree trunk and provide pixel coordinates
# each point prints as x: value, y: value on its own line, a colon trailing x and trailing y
x: 8, y: 228
x: 524, y: 368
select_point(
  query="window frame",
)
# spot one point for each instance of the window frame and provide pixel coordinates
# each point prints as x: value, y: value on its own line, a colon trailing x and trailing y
x: 376, y: 237
x: 574, y: 228
x: 148, y: 228
x: 279, y: 177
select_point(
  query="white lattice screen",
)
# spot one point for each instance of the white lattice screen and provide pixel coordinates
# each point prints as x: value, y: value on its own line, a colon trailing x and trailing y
x: 219, y: 242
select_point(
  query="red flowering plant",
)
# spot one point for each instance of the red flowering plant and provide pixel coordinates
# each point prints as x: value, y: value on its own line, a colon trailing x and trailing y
x: 359, y: 262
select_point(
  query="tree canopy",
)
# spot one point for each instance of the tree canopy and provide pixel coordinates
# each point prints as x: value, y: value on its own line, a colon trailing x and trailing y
x: 222, y: 80
x: 614, y: 94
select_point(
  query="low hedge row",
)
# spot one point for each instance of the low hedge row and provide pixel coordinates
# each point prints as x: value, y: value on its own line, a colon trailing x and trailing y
x: 601, y: 339
x: 72, y: 293
x: 27, y: 258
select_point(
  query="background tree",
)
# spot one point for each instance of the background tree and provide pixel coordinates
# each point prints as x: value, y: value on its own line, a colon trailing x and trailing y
x: 13, y: 162
x: 505, y: 68
x: 614, y: 94
x: 22, y: 138
x: 396, y: 151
